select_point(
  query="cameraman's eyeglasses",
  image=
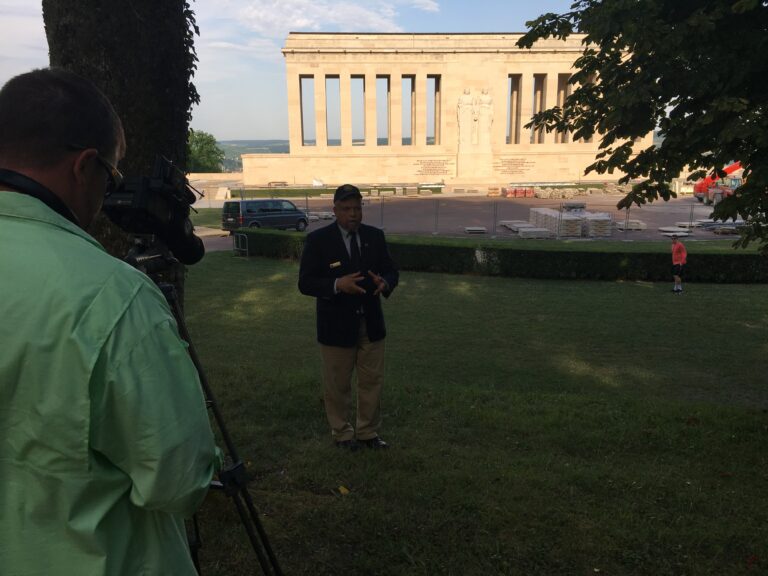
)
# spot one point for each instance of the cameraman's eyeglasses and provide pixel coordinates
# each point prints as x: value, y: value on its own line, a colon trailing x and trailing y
x: 114, y: 176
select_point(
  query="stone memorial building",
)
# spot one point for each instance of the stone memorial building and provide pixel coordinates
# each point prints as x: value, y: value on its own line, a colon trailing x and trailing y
x: 425, y: 108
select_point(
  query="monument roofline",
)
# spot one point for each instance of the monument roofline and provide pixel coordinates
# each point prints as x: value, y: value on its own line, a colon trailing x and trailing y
x: 421, y: 42
x: 407, y: 33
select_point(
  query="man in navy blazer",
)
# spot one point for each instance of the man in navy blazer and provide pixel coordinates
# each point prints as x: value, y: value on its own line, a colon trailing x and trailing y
x: 346, y: 266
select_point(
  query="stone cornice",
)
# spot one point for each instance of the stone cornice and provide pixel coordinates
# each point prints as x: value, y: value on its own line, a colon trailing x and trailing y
x: 423, y: 43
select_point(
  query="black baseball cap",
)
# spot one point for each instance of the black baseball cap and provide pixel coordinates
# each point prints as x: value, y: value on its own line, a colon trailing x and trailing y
x: 346, y: 191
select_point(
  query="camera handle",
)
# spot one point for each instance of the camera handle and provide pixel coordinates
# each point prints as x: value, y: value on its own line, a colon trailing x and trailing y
x: 233, y: 479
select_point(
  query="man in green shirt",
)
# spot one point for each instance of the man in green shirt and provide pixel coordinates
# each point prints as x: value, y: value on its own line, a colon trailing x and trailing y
x: 105, y: 442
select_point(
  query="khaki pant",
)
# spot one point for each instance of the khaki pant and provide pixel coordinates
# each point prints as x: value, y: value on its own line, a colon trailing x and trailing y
x: 338, y: 364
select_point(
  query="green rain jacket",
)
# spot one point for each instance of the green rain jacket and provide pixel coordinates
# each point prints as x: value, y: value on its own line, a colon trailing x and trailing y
x: 105, y: 442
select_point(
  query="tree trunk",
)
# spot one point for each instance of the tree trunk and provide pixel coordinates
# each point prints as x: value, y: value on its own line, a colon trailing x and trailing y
x: 140, y: 53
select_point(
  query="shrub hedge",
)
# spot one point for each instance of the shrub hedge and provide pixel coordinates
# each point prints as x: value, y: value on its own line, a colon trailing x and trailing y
x: 495, y: 259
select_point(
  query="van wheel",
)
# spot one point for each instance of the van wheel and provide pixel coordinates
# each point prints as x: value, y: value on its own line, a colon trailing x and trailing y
x: 254, y: 225
x: 301, y: 225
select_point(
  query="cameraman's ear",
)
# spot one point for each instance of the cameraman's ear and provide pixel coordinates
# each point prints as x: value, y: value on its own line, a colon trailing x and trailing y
x: 85, y: 194
x: 84, y: 166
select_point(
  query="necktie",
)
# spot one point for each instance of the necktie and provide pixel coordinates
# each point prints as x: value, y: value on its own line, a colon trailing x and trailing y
x: 354, y: 251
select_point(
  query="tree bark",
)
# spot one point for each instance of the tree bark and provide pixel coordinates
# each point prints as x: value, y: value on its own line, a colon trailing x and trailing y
x: 140, y: 53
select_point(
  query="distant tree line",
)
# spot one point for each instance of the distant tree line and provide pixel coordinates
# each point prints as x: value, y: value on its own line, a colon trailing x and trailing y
x: 203, y: 153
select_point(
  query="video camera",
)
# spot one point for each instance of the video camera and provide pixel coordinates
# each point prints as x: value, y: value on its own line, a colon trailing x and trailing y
x: 158, y: 205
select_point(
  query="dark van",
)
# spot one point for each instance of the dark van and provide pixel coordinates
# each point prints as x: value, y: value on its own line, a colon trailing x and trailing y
x: 280, y: 214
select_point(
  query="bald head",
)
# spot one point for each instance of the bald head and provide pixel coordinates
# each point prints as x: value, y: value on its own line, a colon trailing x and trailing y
x: 46, y: 113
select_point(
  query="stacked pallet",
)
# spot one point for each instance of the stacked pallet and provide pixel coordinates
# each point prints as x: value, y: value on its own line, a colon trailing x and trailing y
x: 673, y: 230
x: 542, y: 217
x: 570, y: 225
x: 561, y: 224
x: 535, y: 233
x: 630, y: 225
x: 515, y: 225
x: 598, y: 224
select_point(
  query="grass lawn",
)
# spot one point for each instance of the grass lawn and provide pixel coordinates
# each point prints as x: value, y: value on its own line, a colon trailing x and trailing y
x: 537, y: 428
x: 208, y: 217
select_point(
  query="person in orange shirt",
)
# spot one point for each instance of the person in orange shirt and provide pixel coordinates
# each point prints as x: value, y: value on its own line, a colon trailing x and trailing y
x: 679, y: 258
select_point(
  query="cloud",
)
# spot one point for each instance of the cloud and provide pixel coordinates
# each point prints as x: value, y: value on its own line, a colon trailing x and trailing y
x: 256, y: 29
x: 259, y: 48
x: 275, y: 18
x: 426, y: 5
x: 22, y: 39
x: 21, y: 8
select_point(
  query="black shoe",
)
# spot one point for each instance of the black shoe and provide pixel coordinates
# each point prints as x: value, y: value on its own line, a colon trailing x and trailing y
x: 375, y: 443
x: 350, y: 445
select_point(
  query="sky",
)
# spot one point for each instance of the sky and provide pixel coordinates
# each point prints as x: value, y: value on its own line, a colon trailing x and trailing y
x: 241, y: 72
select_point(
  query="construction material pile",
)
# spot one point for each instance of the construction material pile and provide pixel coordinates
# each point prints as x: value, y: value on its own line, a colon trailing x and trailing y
x: 572, y: 223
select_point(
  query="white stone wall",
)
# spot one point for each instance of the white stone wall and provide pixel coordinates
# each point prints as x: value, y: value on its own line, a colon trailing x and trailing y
x: 473, y: 111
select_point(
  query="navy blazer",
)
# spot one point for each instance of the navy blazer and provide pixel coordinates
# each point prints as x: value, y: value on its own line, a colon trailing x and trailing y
x: 324, y: 259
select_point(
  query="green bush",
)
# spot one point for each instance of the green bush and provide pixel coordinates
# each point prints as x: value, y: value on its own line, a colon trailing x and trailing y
x: 273, y: 243
x: 496, y: 259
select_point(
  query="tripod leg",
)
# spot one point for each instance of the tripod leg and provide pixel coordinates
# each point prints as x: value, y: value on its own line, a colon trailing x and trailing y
x: 262, y: 534
x: 235, y: 485
x: 195, y: 543
x: 254, y: 537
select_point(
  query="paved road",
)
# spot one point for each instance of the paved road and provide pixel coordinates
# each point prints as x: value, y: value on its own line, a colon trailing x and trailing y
x: 448, y: 215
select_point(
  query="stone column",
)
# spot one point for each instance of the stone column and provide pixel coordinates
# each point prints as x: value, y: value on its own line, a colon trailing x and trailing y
x: 526, y: 106
x: 550, y: 100
x: 321, y: 115
x: 370, y: 109
x: 345, y: 98
x: 499, y: 127
x: 540, y: 91
x: 293, y: 79
x: 514, y: 110
x: 562, y: 96
x: 396, y: 109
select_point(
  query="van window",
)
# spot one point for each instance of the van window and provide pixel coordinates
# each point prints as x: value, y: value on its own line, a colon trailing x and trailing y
x: 254, y: 207
x: 287, y: 206
x: 232, y: 208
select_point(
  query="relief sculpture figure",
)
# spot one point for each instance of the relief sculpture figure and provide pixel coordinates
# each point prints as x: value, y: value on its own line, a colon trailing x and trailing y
x: 467, y: 117
x: 485, y: 117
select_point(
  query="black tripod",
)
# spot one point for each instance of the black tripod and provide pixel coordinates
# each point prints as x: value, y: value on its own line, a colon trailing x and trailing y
x: 233, y: 479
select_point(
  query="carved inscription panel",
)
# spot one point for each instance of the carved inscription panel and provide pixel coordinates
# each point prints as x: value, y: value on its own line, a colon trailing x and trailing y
x: 435, y: 167
x: 514, y: 166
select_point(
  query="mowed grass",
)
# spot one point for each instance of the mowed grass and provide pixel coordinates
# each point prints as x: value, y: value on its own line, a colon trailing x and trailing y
x: 537, y: 428
x: 208, y: 217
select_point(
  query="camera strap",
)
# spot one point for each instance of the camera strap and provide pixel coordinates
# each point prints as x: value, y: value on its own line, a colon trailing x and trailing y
x: 25, y: 185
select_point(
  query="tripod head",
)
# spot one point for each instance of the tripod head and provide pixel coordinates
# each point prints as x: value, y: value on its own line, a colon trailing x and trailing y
x: 158, y: 205
x: 150, y: 255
